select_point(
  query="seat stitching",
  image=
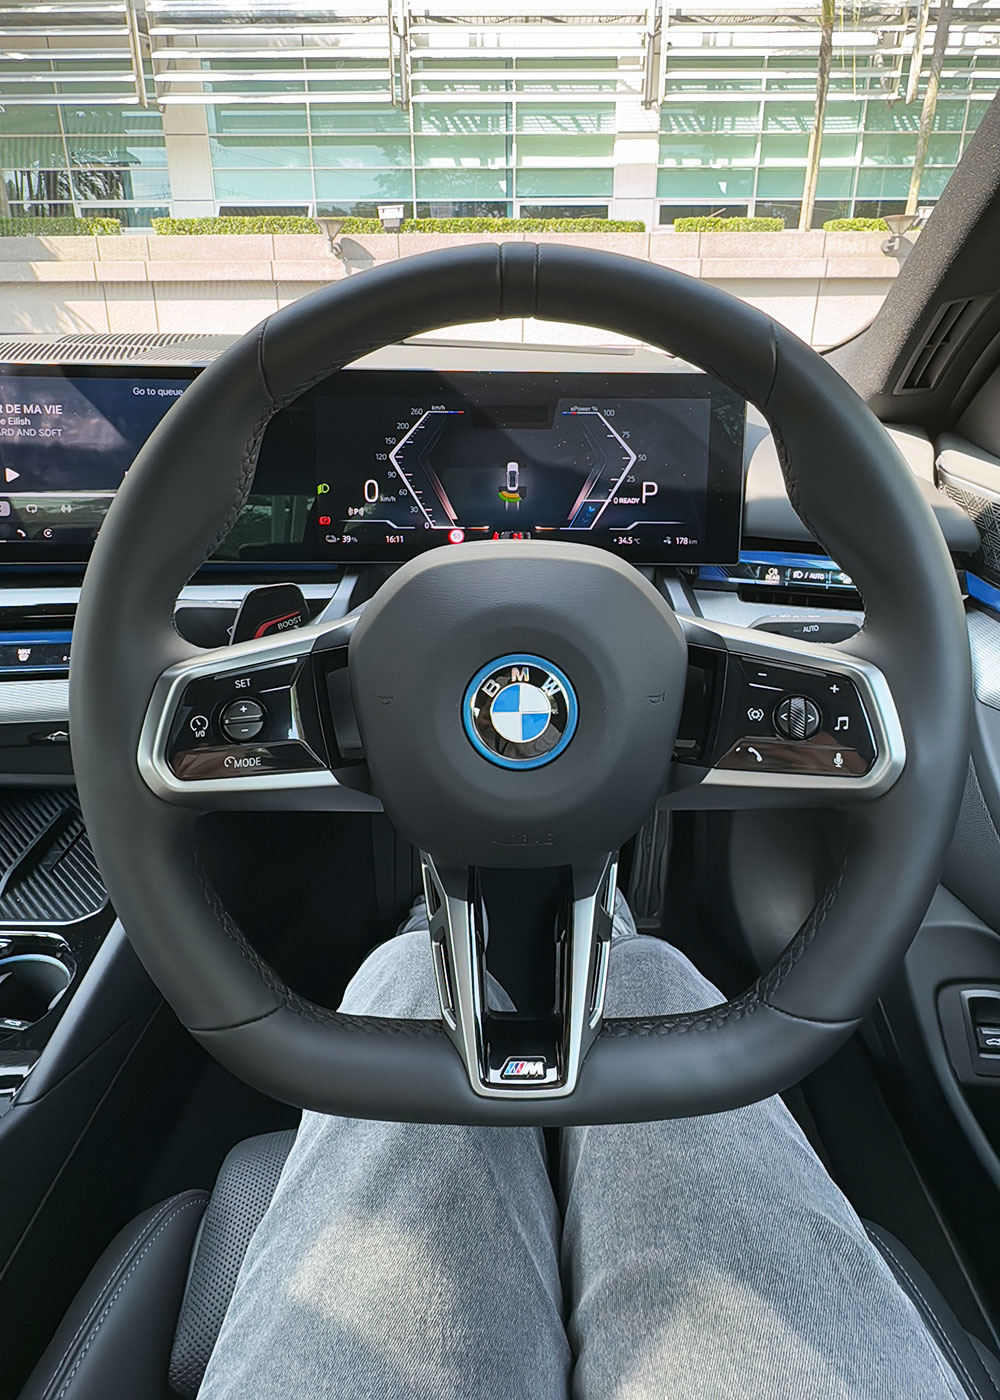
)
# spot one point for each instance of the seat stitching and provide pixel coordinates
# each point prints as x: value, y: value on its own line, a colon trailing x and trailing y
x: 133, y: 1244
x: 179, y: 1210
x: 939, y: 1326
x: 932, y: 1317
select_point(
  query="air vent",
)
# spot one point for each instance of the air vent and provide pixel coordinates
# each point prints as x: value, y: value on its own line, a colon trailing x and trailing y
x: 159, y: 347
x: 124, y: 343
x: 951, y: 324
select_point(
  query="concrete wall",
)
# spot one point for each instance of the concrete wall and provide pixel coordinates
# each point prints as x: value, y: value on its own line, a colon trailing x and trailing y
x: 823, y: 286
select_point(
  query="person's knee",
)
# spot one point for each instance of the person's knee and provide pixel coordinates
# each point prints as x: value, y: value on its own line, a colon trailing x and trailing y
x: 648, y: 977
x: 396, y: 979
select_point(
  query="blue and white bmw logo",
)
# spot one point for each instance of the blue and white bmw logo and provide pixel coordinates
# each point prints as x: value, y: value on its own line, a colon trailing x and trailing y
x: 519, y: 711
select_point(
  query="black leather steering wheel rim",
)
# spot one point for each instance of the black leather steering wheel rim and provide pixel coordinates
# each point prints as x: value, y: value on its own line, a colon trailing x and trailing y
x: 848, y: 482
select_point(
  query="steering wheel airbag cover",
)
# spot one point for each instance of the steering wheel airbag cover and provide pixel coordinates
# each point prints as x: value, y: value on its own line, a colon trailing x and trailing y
x: 433, y: 626
x: 848, y: 482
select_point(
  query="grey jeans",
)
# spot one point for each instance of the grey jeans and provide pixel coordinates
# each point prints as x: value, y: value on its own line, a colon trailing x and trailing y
x: 704, y: 1257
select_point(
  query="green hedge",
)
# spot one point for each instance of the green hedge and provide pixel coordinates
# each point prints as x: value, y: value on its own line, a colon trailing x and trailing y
x: 277, y: 223
x: 231, y: 224
x: 710, y: 224
x: 856, y: 226
x: 21, y: 228
x: 523, y: 226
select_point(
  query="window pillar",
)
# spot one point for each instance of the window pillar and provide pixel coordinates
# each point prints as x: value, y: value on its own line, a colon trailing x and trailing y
x: 637, y: 143
x: 189, y: 161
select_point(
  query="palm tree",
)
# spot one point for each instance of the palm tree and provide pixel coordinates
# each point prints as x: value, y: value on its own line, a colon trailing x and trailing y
x: 930, y: 102
x: 827, y: 16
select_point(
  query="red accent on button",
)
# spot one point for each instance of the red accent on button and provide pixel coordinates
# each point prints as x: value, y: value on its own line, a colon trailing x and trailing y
x: 273, y: 622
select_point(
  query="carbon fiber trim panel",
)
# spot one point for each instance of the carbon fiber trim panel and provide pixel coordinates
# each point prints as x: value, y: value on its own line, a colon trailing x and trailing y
x: 48, y: 874
x: 985, y: 511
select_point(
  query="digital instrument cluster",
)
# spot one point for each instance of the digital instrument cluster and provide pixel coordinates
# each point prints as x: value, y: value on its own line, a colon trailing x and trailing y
x: 649, y: 466
x: 379, y: 465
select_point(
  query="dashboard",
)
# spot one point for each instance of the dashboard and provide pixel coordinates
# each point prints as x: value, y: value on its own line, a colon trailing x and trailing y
x: 617, y: 446
x: 378, y: 466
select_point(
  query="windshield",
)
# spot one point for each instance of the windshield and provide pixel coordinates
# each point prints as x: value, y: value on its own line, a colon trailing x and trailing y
x: 790, y: 156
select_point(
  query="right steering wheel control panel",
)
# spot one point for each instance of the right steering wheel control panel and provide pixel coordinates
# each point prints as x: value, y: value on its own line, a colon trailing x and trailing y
x: 751, y: 714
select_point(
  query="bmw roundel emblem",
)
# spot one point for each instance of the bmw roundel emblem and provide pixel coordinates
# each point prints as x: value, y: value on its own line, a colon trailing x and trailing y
x: 519, y: 711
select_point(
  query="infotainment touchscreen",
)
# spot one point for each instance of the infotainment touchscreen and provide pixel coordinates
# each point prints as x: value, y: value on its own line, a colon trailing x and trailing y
x: 379, y: 465
x: 66, y: 441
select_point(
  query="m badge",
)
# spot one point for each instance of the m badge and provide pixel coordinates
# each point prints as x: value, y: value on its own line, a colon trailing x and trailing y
x: 534, y: 1067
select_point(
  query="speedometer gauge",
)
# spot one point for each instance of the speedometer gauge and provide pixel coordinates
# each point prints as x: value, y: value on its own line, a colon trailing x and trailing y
x: 409, y: 458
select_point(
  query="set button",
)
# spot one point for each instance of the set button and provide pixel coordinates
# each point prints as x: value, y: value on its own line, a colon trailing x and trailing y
x: 242, y: 720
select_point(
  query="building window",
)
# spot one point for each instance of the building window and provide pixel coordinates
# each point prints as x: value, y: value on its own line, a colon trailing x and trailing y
x: 463, y: 209
x: 562, y: 211
x: 249, y: 211
x: 717, y: 186
x: 551, y: 184
x: 878, y: 208
x: 78, y: 161
x: 260, y: 152
x: 669, y: 212
x: 42, y: 209
x: 256, y: 186
x: 450, y: 185
x: 129, y: 215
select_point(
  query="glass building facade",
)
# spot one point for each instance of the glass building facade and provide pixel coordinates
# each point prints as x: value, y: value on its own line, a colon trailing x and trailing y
x: 137, y: 108
x: 737, y: 142
x: 85, y: 160
x: 438, y: 159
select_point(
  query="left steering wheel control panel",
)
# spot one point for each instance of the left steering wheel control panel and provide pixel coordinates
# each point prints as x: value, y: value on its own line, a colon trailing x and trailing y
x: 258, y: 719
x: 260, y: 716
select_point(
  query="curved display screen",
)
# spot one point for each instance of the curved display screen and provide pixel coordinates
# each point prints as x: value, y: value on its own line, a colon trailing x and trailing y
x: 379, y: 465
x: 647, y: 465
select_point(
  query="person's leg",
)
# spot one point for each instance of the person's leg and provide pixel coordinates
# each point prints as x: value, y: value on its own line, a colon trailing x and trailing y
x: 400, y: 1260
x: 714, y: 1257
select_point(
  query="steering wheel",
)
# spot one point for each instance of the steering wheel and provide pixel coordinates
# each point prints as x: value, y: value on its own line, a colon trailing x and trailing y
x: 380, y: 707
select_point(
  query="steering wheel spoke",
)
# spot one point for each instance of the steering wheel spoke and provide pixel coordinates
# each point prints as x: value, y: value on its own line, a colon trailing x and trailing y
x: 265, y: 723
x: 773, y: 721
x: 536, y: 1050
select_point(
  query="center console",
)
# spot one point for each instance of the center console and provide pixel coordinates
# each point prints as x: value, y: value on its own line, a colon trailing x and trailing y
x: 54, y: 915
